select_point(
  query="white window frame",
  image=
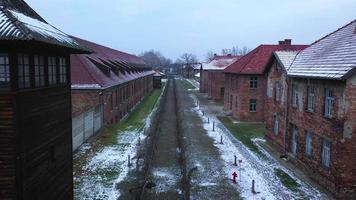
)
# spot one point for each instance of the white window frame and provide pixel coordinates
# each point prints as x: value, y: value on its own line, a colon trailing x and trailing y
x: 326, y: 151
x: 310, y: 98
x: 309, y: 143
x: 39, y: 68
x: 329, y: 102
x: 24, y: 73
x: 276, y: 125
x: 62, y: 70
x: 4, y: 71
x: 253, y: 105
x: 253, y: 82
x: 277, y: 96
x: 52, y: 70
x: 295, y: 96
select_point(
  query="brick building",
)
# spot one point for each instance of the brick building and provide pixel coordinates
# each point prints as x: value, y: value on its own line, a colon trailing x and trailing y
x: 213, y: 77
x: 106, y: 85
x: 35, y: 105
x: 245, y: 82
x: 311, y: 102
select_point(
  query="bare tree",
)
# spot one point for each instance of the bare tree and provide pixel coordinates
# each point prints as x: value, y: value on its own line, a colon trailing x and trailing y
x: 235, y: 51
x: 187, y: 58
x: 155, y: 59
x: 209, y: 56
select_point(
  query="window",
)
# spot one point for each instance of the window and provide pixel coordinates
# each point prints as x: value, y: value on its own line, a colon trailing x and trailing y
x: 52, y: 71
x: 329, y: 102
x: 62, y: 70
x: 294, y: 139
x: 253, y: 105
x: 325, y: 158
x: 24, y: 71
x: 39, y: 71
x: 310, y: 99
x: 253, y: 82
x: 295, y: 96
x: 277, y: 94
x: 4, y: 71
x: 309, y: 143
x: 276, y: 125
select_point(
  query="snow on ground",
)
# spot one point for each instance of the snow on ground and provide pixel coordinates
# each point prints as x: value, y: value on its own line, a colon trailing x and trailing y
x: 108, y: 166
x: 252, y: 168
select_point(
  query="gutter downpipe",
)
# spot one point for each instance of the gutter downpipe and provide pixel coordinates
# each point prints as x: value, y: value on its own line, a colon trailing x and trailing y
x: 286, y: 115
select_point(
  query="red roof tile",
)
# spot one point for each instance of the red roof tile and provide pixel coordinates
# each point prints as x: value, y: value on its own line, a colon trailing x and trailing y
x: 105, y: 67
x: 255, y: 61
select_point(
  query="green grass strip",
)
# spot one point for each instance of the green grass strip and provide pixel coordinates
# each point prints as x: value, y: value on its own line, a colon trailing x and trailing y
x: 286, y: 180
x: 245, y: 132
x: 188, y: 85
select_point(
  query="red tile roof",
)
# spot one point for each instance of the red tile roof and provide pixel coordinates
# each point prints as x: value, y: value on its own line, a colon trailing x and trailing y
x: 255, y: 61
x: 105, y: 67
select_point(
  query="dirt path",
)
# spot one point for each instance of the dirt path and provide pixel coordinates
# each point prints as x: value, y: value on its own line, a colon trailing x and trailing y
x: 208, y: 181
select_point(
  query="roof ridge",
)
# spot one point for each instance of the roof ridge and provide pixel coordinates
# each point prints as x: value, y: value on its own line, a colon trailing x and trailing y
x: 106, y: 47
x: 348, y: 24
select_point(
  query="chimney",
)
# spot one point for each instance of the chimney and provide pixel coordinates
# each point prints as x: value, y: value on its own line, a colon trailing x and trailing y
x: 229, y: 54
x: 281, y: 42
x: 288, y: 42
x: 215, y: 54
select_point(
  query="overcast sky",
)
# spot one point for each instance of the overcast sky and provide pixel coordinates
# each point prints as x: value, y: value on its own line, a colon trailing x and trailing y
x: 195, y: 26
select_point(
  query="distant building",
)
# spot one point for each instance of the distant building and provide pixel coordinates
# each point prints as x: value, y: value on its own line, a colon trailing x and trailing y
x: 189, y: 70
x: 311, y: 102
x: 213, y: 77
x: 157, y: 80
x: 245, y: 82
x: 106, y: 85
x: 35, y: 106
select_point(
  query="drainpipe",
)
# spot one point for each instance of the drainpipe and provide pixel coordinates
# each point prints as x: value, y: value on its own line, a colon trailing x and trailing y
x: 101, y: 102
x: 286, y: 112
x: 201, y: 78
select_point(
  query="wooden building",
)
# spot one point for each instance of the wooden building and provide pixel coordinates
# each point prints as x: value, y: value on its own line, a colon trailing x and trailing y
x: 106, y: 85
x: 157, y: 80
x: 35, y: 105
x: 213, y: 77
x: 245, y: 82
x: 311, y: 102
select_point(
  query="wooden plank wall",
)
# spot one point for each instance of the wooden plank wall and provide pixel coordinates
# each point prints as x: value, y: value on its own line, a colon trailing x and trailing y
x: 7, y: 148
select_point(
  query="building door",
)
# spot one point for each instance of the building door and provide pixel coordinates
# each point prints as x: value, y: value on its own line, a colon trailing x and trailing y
x: 294, y: 140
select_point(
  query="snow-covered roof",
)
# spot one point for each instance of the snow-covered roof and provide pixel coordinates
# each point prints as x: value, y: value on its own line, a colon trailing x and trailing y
x: 220, y: 62
x: 15, y: 25
x: 286, y: 58
x: 332, y: 57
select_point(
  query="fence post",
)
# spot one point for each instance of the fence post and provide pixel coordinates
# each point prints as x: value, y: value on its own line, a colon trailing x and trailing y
x: 221, y: 139
x: 235, y: 162
x: 208, y: 120
x: 213, y: 125
x: 139, y: 141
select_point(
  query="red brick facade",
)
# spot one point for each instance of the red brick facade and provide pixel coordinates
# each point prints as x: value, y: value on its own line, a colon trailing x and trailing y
x: 339, y: 129
x: 239, y: 97
x: 215, y: 85
x: 117, y: 101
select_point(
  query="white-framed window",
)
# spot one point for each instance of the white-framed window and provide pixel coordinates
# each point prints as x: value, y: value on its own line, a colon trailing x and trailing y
x: 62, y: 70
x: 325, y: 157
x: 253, y: 82
x: 295, y: 95
x: 52, y: 71
x: 310, y: 99
x: 294, y: 139
x: 39, y: 71
x: 277, y: 94
x: 329, y: 102
x: 4, y: 71
x: 253, y: 105
x: 309, y: 143
x: 276, y: 125
x: 24, y: 75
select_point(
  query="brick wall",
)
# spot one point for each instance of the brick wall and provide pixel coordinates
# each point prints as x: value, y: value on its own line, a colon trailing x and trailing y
x: 340, y: 178
x: 83, y: 101
x: 216, y: 85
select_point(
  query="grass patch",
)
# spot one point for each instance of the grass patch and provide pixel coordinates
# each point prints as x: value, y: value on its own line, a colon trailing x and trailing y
x: 286, y: 180
x: 188, y: 85
x: 245, y: 132
x: 135, y: 120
